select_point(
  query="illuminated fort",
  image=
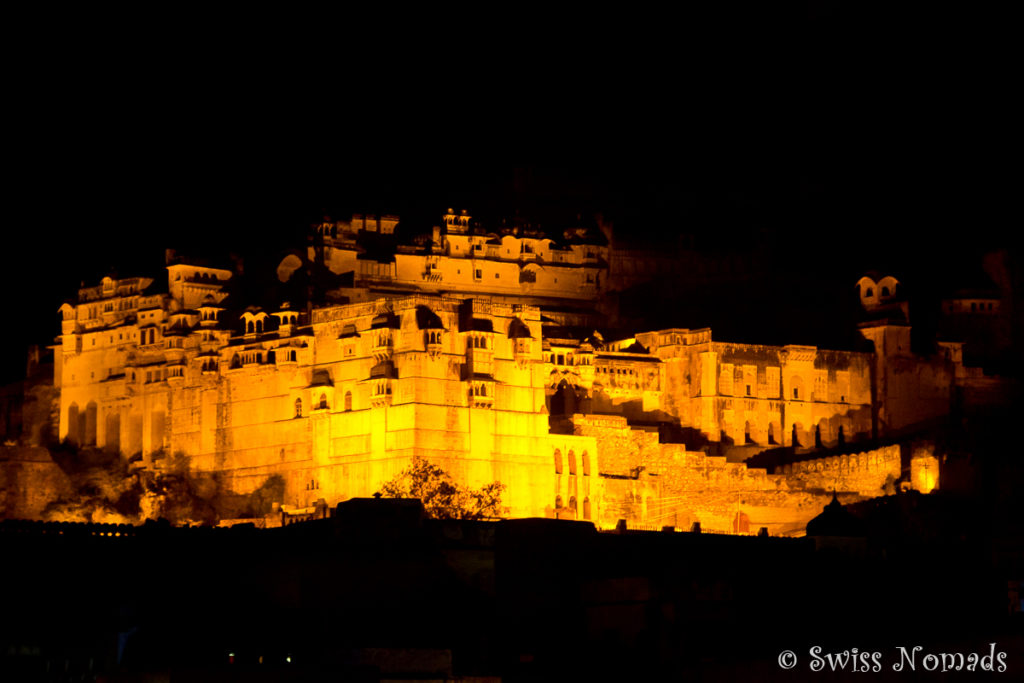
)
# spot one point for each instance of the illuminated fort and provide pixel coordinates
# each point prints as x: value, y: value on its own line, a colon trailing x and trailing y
x: 464, y: 348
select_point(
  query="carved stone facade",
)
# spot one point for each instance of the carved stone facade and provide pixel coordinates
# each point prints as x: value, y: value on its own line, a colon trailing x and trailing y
x: 464, y: 366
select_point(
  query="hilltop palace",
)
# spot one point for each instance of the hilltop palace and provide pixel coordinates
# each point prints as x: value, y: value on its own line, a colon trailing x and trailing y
x: 459, y: 349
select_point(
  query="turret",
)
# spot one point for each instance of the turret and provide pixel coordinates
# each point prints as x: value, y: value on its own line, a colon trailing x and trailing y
x: 287, y: 319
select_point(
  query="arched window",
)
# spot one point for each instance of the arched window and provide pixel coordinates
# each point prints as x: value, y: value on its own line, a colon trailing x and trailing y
x: 746, y: 433
x: 558, y: 502
x: 885, y: 291
x: 798, y: 388
x: 323, y: 402
x: 348, y: 401
x: 271, y: 356
x: 572, y: 463
x: 292, y: 355
x: 236, y: 361
x: 586, y: 508
x: 586, y: 464
x: 298, y: 407
x: 558, y: 461
x: 869, y: 292
x: 572, y: 506
x: 796, y: 435
x: 259, y: 325
x: 771, y: 433
x: 251, y: 327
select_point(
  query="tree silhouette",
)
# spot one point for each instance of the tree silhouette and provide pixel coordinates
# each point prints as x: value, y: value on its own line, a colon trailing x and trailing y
x: 443, y: 498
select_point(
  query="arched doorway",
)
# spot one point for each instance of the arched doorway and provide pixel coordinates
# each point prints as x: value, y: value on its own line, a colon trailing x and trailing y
x: 89, y: 432
x: 74, y: 434
x: 113, y: 432
x: 563, y: 401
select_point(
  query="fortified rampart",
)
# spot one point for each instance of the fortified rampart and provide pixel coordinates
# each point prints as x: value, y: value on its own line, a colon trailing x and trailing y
x: 868, y: 473
x: 456, y: 351
x: 662, y: 484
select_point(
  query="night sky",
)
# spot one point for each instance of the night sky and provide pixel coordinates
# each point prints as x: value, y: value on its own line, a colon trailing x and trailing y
x: 833, y: 219
x: 108, y: 171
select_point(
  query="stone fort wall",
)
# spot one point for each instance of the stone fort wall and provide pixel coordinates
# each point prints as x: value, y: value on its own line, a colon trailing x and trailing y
x: 653, y: 484
x: 867, y: 473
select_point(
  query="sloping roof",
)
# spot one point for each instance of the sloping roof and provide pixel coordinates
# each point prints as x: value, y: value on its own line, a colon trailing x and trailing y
x: 348, y: 331
x: 517, y: 329
x: 321, y: 378
x: 481, y: 325
x: 386, y: 321
x: 426, y: 319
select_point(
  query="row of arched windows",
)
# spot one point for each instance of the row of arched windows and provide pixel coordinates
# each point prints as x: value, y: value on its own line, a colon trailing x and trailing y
x: 797, y: 437
x: 572, y: 462
x: 238, y: 361
x: 323, y: 405
x: 202, y: 277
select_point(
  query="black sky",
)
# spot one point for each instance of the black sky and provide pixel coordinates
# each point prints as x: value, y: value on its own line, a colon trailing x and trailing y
x: 838, y: 159
x: 76, y: 220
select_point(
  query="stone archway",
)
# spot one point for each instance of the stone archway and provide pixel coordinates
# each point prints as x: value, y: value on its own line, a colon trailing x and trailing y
x: 74, y: 434
x: 89, y: 424
x: 113, y: 432
x: 564, y: 401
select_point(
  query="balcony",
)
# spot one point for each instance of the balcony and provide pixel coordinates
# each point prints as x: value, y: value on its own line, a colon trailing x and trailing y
x: 381, y: 393
x: 481, y: 394
x: 382, y: 346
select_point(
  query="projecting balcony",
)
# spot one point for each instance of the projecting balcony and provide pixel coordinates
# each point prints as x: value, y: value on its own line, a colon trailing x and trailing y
x: 382, y: 347
x: 381, y: 393
x: 481, y: 394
